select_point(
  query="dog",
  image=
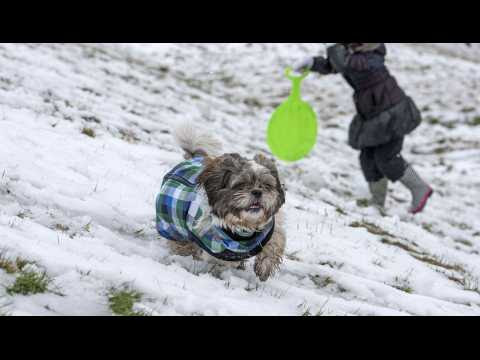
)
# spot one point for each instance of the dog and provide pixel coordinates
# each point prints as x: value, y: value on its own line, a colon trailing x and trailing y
x: 222, y: 207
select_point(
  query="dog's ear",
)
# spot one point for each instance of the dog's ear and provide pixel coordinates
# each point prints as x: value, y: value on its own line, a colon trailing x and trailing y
x: 232, y: 160
x: 227, y: 174
x: 215, y: 176
x: 266, y: 162
x: 272, y: 167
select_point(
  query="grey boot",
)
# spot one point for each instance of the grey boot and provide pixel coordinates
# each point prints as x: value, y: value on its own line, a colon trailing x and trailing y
x: 420, y: 190
x: 379, y: 192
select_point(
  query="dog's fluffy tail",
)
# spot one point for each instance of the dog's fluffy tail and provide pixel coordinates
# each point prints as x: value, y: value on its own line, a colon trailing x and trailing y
x: 196, y: 142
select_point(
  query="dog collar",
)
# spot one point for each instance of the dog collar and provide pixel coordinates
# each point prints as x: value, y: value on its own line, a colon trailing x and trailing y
x: 240, y: 235
x: 245, y: 233
x: 229, y: 246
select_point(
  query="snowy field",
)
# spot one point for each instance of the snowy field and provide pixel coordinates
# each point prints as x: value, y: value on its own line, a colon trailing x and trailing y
x: 86, y: 138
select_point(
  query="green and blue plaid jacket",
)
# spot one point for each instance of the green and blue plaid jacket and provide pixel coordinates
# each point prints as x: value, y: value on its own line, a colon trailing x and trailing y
x: 183, y: 215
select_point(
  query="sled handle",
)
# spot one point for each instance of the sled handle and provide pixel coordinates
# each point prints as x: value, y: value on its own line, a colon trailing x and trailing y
x: 296, y: 82
x: 289, y: 72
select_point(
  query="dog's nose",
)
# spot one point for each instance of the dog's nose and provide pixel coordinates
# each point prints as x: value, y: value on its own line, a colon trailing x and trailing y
x: 257, y: 193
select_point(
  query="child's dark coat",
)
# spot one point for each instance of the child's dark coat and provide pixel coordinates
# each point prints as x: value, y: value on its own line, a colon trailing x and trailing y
x: 384, y: 112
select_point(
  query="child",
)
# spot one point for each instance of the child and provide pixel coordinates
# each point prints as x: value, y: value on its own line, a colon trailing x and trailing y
x: 385, y: 114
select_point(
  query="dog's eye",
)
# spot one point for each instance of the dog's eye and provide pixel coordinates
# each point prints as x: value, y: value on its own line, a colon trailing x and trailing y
x: 238, y: 186
x: 269, y: 186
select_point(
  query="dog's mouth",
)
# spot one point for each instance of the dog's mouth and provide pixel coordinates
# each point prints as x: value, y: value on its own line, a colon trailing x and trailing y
x: 255, y: 207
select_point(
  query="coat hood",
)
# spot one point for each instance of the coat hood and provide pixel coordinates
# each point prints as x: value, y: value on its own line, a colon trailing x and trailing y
x: 366, y: 47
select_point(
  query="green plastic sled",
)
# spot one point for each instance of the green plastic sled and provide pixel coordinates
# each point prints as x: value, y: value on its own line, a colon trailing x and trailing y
x: 292, y: 130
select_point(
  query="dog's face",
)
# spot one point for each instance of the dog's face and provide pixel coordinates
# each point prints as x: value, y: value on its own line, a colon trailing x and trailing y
x: 243, y: 193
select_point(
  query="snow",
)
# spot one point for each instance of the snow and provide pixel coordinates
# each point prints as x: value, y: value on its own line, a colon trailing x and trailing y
x: 82, y: 208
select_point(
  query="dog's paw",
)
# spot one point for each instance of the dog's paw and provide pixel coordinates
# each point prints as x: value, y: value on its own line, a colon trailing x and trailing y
x: 265, y: 268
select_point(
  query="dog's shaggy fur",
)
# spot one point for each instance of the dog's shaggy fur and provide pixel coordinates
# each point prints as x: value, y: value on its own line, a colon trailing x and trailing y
x: 243, y: 195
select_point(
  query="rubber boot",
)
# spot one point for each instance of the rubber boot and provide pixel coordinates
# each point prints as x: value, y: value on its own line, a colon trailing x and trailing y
x: 420, y: 190
x: 379, y: 192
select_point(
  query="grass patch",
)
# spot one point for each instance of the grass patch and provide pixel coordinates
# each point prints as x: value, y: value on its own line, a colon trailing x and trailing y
x: 21, y: 263
x: 332, y: 265
x: 406, y: 289
x: 13, y: 266
x: 371, y: 228
x: 22, y: 214
x: 293, y: 256
x: 445, y: 124
x: 423, y: 257
x: 428, y: 227
x: 253, y: 102
x: 338, y: 209
x: 464, y: 242
x: 121, y: 302
x: 461, y: 226
x: 475, y: 121
x: 442, y: 150
x: 87, y: 227
x: 470, y: 284
x: 321, y: 282
x: 89, y: 132
x: 432, y: 260
x: 363, y: 203
x: 377, y: 263
x: 307, y: 311
x: 8, y: 266
x: 400, y: 245
x: 129, y: 136
x: 92, y: 118
x: 30, y: 283
x: 403, y: 284
x: 63, y: 228
x: 251, y: 288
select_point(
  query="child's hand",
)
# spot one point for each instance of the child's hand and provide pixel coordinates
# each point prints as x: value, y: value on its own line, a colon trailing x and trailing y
x: 304, y: 65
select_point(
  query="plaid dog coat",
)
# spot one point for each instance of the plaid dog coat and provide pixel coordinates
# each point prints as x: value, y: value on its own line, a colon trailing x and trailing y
x: 183, y: 214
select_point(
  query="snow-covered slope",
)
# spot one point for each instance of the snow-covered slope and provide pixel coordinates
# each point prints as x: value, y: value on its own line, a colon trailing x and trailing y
x: 456, y: 50
x: 86, y: 138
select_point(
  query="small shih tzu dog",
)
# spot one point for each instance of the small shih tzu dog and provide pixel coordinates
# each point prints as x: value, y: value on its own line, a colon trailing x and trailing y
x: 225, y: 207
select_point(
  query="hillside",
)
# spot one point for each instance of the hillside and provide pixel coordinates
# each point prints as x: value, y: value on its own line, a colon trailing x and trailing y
x: 86, y: 139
